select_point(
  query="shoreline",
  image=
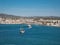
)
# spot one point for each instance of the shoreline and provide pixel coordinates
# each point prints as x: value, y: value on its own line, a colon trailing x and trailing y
x: 48, y: 21
x: 30, y: 24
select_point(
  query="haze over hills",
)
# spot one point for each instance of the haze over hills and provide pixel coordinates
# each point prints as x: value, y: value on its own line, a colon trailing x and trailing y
x: 35, y: 17
x: 8, y: 16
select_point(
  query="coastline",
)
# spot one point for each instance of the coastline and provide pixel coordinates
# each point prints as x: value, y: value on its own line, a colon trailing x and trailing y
x: 31, y: 24
x: 48, y: 21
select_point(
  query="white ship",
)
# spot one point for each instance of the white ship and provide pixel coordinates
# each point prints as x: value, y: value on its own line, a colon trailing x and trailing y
x: 29, y: 26
x: 22, y: 31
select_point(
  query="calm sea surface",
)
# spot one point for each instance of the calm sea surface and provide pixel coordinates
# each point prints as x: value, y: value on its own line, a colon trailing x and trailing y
x: 37, y: 35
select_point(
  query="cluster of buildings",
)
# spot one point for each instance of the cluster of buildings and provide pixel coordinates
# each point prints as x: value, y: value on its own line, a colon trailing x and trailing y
x: 15, y: 21
x: 41, y: 21
x: 50, y: 22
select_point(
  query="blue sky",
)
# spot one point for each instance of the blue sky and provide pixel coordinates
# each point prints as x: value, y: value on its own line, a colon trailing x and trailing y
x: 30, y: 7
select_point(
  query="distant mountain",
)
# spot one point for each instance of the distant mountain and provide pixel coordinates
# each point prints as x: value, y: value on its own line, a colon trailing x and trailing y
x: 34, y: 17
x: 9, y: 16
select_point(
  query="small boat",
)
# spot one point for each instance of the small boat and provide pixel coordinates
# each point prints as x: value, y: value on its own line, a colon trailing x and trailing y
x: 22, y: 31
x: 29, y: 26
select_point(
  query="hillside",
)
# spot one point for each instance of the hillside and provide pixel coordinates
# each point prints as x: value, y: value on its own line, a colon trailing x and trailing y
x: 9, y: 16
x: 33, y: 17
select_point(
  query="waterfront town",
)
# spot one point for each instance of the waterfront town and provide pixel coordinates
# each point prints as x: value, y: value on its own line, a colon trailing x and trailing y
x: 30, y: 20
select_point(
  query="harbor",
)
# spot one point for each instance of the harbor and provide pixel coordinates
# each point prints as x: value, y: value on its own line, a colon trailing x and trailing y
x: 29, y: 22
x: 37, y: 35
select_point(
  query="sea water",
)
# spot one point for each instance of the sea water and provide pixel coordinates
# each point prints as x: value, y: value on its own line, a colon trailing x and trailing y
x: 37, y: 35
